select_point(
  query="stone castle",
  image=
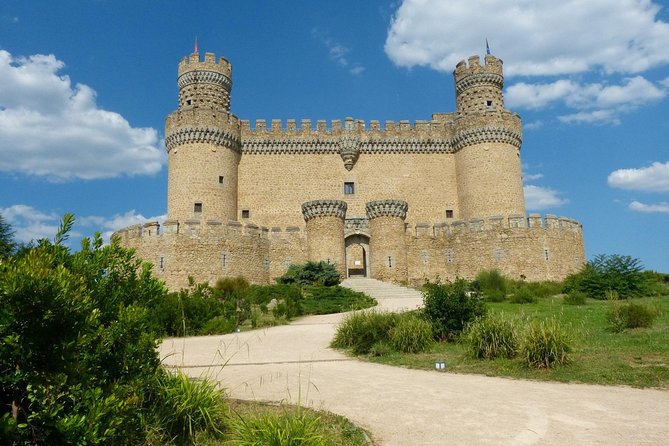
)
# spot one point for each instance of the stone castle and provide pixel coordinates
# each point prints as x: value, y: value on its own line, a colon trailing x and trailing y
x: 402, y: 202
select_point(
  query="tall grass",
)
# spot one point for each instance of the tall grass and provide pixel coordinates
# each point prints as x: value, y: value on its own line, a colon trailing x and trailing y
x: 411, y: 334
x: 545, y: 344
x: 360, y: 331
x: 630, y: 315
x: 493, y: 336
x: 287, y: 429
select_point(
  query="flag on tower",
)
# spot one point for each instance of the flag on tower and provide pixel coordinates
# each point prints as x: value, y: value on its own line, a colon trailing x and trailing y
x: 487, y: 47
x: 195, y: 49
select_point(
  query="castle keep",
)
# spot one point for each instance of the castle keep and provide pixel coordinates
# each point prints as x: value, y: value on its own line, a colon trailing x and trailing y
x: 403, y: 202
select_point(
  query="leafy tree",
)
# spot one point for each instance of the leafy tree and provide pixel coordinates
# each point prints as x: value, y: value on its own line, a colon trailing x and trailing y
x: 311, y: 273
x: 449, y: 307
x: 78, y: 363
x: 7, y: 244
x: 610, y: 275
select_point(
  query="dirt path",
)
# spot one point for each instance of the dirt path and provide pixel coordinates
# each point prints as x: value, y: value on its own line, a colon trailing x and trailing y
x: 412, y: 407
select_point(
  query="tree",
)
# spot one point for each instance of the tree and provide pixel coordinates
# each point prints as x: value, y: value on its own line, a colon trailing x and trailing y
x: 610, y: 275
x: 7, y: 244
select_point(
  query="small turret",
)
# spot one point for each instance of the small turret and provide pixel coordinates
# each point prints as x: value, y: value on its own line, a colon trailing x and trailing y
x: 478, y: 88
x: 204, y: 84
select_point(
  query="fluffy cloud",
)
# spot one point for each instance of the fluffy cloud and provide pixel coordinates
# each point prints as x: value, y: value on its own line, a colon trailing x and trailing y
x: 539, y: 198
x: 650, y: 208
x: 30, y: 224
x: 338, y: 52
x: 51, y: 128
x: 654, y: 178
x: 538, y: 37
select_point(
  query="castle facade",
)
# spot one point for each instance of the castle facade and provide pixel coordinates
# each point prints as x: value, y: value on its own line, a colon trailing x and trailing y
x: 402, y: 202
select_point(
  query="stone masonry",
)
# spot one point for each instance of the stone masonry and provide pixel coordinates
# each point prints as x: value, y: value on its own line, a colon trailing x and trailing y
x: 402, y: 202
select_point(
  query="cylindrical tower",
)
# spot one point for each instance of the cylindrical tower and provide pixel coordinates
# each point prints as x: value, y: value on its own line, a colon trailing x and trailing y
x: 387, y: 245
x: 325, y: 232
x: 487, y: 141
x: 203, y: 142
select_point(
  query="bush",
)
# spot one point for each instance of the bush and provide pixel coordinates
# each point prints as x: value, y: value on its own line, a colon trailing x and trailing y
x: 495, y: 296
x: 545, y: 344
x: 491, y: 283
x: 186, y: 313
x: 575, y: 297
x: 630, y: 315
x: 311, y: 273
x: 609, y: 273
x: 218, y: 325
x: 491, y: 337
x: 539, y: 289
x: 523, y: 295
x: 359, y: 332
x: 449, y: 307
x: 411, y: 334
x: 335, y: 299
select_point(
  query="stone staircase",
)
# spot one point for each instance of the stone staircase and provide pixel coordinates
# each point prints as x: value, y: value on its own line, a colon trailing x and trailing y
x: 390, y: 297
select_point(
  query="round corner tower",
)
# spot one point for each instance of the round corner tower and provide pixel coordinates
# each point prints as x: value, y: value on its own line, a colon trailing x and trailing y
x: 325, y: 232
x: 203, y: 141
x: 387, y: 243
x: 487, y: 141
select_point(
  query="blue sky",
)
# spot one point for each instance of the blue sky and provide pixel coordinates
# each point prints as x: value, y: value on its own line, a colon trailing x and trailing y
x: 85, y: 87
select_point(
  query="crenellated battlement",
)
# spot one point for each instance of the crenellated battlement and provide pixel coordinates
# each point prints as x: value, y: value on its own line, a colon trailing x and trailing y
x: 324, y: 208
x: 533, y: 222
x: 490, y: 71
x: 193, y: 63
x: 387, y: 208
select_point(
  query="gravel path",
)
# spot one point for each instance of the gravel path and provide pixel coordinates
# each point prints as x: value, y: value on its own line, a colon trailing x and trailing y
x: 411, y: 407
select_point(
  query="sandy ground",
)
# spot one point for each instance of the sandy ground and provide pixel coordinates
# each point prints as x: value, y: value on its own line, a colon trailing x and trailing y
x: 411, y: 407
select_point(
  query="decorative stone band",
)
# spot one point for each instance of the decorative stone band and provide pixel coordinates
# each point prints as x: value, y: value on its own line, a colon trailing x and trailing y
x: 476, y: 80
x: 387, y: 208
x: 486, y: 134
x: 204, y: 77
x: 324, y: 208
x: 219, y: 137
x: 356, y: 225
x: 332, y: 144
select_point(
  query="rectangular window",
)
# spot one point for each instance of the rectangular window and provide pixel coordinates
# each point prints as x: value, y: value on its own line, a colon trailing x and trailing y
x: 246, y: 213
x: 197, y: 208
x: 449, y: 213
x: 349, y: 188
x: 220, y: 180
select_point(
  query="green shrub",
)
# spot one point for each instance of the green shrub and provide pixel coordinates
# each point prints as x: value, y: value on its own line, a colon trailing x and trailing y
x: 311, y: 273
x: 411, y: 334
x: 494, y: 296
x: 360, y: 331
x: 575, y: 297
x: 449, y: 307
x: 609, y: 273
x: 523, y: 295
x: 539, y: 289
x: 218, y: 325
x: 493, y: 336
x: 186, y: 406
x: 287, y: 429
x: 491, y: 282
x: 545, y: 344
x: 630, y: 315
x: 335, y: 299
x: 186, y: 313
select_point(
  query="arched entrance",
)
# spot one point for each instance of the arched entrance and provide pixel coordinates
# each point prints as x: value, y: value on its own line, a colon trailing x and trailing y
x: 357, y: 255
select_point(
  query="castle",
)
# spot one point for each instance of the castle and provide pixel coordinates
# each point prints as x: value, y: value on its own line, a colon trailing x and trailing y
x: 402, y: 202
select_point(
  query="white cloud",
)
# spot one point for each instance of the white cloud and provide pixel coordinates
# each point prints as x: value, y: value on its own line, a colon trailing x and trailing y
x: 649, y: 208
x: 338, y: 52
x: 654, y: 178
x: 30, y: 224
x: 591, y: 117
x: 537, y: 37
x: 539, y: 198
x: 48, y: 127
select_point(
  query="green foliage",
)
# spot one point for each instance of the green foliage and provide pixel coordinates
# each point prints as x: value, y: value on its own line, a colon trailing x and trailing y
x: 491, y: 283
x: 630, y: 315
x: 538, y: 289
x: 610, y: 273
x: 7, y: 244
x: 494, y: 296
x: 185, y: 406
x: 523, y: 295
x: 575, y: 297
x: 493, y: 336
x: 335, y: 299
x: 287, y: 429
x: 311, y: 273
x: 360, y: 331
x: 77, y: 353
x: 411, y: 335
x: 449, y: 307
x: 545, y: 344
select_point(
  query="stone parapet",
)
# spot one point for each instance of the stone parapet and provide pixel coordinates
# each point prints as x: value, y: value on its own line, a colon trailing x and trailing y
x: 387, y: 208
x: 324, y: 208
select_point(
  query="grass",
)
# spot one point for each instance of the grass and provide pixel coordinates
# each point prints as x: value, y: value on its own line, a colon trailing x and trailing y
x: 636, y: 357
x: 272, y: 421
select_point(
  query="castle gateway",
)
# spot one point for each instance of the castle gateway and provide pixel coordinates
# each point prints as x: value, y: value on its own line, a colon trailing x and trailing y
x: 402, y: 202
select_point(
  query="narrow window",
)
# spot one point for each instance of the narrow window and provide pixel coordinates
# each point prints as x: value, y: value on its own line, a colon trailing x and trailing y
x: 546, y: 255
x: 162, y: 262
x: 220, y: 180
x: 224, y: 259
x: 449, y: 213
x: 349, y: 188
x: 390, y: 262
x: 197, y: 208
x: 246, y: 213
